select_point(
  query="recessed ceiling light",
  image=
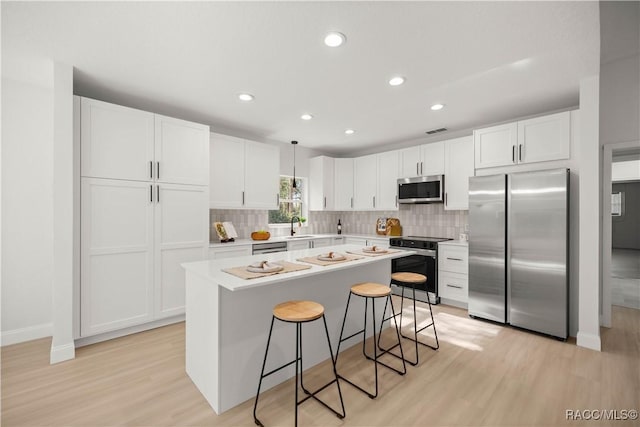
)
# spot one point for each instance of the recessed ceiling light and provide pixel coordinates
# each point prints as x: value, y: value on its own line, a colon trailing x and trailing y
x: 436, y: 107
x: 349, y: 131
x: 245, y: 97
x: 306, y: 117
x: 334, y: 39
x: 396, y: 81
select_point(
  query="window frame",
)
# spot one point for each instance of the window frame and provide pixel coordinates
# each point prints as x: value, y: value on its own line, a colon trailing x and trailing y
x: 304, y: 212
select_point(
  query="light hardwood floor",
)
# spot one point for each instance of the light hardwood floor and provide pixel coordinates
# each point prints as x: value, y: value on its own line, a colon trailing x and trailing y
x: 483, y: 375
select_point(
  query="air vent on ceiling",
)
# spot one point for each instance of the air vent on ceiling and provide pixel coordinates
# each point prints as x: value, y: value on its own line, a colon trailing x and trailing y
x: 431, y: 132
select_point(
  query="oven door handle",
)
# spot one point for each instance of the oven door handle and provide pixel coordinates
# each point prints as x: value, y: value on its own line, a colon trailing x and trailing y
x: 422, y: 252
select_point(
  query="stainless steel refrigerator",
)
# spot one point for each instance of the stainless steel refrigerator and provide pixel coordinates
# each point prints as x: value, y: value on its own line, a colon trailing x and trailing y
x: 519, y: 250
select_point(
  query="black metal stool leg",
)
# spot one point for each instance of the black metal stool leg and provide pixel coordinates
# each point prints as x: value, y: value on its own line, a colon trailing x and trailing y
x: 264, y: 363
x: 415, y: 326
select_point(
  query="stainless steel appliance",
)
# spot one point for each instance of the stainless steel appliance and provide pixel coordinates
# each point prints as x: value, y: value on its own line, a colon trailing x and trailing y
x: 421, y: 189
x: 268, y: 247
x: 425, y: 262
x: 519, y: 250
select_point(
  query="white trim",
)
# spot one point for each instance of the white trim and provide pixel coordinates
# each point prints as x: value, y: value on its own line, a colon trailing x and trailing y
x: 607, y: 157
x: 588, y: 341
x: 61, y: 353
x: 16, y: 336
x: 81, y: 342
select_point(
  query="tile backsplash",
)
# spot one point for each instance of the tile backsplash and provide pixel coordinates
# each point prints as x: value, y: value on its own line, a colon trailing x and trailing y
x: 416, y: 220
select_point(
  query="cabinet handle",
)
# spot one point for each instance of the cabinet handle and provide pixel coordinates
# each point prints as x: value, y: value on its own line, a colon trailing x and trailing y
x: 158, y: 194
x: 277, y: 201
x: 513, y: 154
x: 374, y: 201
x: 454, y: 286
x: 520, y: 152
x: 421, y: 171
x: 396, y: 201
x: 445, y: 199
x: 325, y: 201
x: 150, y: 169
x: 455, y: 259
x: 158, y: 169
x: 243, y: 198
x: 151, y: 193
x: 351, y: 202
x: 417, y: 168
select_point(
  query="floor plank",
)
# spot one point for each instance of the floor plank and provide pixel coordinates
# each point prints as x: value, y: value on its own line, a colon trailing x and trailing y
x: 483, y: 374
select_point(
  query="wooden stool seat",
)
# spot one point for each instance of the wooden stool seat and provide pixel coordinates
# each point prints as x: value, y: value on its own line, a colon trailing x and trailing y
x: 409, y: 277
x: 371, y: 290
x: 298, y: 311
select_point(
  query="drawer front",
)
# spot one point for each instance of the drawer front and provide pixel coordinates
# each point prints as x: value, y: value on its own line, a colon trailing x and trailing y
x: 453, y: 258
x: 453, y: 286
x: 232, y: 252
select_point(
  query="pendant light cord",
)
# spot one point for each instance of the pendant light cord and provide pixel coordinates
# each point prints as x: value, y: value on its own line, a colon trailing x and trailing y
x: 294, y: 143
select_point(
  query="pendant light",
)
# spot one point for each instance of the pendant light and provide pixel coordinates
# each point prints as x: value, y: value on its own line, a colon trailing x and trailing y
x: 294, y: 143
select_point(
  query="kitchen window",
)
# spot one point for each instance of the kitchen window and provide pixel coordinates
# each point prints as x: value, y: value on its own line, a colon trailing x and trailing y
x: 293, y: 201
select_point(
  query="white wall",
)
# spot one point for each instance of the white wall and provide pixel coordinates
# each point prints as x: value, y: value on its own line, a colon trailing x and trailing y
x: 27, y: 197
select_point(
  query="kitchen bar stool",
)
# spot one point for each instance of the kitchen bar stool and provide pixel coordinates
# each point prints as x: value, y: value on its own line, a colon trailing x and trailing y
x: 413, y: 280
x: 299, y: 312
x: 370, y: 291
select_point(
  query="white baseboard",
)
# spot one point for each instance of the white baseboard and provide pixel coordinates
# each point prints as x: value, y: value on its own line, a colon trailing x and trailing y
x: 16, y: 336
x: 81, y: 342
x: 60, y: 353
x: 588, y: 341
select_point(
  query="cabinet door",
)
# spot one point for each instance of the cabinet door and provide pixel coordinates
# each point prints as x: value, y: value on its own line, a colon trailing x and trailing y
x: 432, y: 159
x: 182, y: 235
x: 261, y: 176
x: 453, y: 286
x: 321, y: 177
x: 226, y: 172
x: 496, y: 146
x: 116, y: 142
x: 343, y: 184
x: 544, y: 138
x: 387, y: 195
x: 294, y: 245
x: 365, y: 181
x: 458, y: 169
x: 229, y: 252
x: 454, y: 259
x: 181, y: 151
x: 116, y: 251
x: 410, y: 162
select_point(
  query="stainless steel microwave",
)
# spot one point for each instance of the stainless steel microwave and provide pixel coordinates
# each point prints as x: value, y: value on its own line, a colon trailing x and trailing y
x: 421, y: 189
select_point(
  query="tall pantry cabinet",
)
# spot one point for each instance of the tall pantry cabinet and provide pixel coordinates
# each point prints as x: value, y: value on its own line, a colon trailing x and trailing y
x: 144, y: 211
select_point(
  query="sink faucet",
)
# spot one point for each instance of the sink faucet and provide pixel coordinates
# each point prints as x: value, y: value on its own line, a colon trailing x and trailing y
x: 292, y: 218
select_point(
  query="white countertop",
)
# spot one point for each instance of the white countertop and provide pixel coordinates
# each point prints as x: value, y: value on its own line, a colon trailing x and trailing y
x: 212, y: 270
x: 455, y: 243
x: 243, y: 242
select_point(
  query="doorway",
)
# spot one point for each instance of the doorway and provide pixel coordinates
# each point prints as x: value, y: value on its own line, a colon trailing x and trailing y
x: 620, y: 228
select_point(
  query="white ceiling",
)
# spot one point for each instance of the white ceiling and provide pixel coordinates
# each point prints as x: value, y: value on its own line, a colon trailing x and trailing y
x: 488, y: 62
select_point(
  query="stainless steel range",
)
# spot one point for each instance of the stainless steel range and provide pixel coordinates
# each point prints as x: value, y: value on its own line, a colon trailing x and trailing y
x: 425, y: 261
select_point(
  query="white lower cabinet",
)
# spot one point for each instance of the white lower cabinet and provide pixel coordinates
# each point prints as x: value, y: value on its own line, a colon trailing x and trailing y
x: 220, y: 252
x: 453, y: 273
x: 294, y: 245
x: 134, y: 235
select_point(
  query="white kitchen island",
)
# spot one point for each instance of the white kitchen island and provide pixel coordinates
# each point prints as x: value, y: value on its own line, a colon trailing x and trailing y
x: 227, y: 319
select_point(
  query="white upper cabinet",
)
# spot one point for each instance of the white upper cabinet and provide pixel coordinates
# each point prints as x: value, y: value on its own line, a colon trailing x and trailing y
x: 261, y: 176
x: 116, y: 142
x: 387, y: 194
x: 458, y: 169
x: 181, y: 151
x: 343, y: 184
x: 123, y: 143
x: 422, y: 160
x: 432, y: 159
x: 243, y: 174
x: 410, y: 162
x: 365, y: 182
x: 527, y: 141
x: 496, y: 146
x: 321, y: 183
x: 226, y: 186
x: 544, y: 138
